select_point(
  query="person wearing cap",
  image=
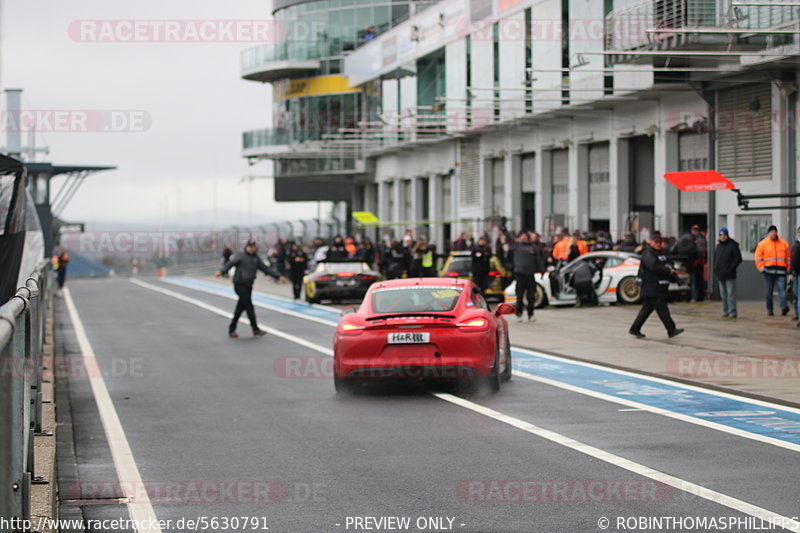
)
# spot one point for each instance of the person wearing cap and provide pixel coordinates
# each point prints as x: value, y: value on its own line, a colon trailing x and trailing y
x: 247, y: 265
x: 727, y: 258
x: 656, y: 275
x: 772, y: 260
x: 795, y: 273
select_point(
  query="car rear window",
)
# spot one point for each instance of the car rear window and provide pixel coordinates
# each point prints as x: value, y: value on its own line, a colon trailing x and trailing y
x: 419, y: 299
x: 462, y: 265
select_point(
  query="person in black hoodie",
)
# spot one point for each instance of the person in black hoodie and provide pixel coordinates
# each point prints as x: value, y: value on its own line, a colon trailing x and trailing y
x: 727, y: 258
x: 656, y: 275
x: 528, y: 257
x: 247, y: 265
x: 481, y: 263
x: 337, y: 251
x: 298, y: 262
x: 794, y: 270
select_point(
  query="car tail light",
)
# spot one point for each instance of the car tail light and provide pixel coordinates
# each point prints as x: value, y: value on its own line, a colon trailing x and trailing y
x: 324, y: 278
x: 368, y: 278
x: 350, y: 328
x: 346, y: 274
x: 495, y: 273
x: 474, y: 324
x: 451, y: 274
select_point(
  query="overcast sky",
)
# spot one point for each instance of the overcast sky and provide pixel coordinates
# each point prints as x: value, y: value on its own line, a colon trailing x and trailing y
x: 191, y: 94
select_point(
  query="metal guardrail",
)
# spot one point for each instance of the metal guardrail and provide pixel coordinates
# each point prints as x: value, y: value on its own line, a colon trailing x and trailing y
x: 22, y: 323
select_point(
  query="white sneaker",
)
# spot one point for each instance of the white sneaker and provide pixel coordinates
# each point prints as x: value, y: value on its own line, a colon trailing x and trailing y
x: 519, y: 318
x: 531, y: 319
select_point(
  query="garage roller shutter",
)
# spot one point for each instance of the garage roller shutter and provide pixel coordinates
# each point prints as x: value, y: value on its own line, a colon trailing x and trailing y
x: 599, y: 202
x: 744, y: 132
x: 693, y: 155
x: 560, y: 177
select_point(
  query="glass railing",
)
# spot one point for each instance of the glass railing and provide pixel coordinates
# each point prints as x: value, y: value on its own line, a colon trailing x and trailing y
x: 275, y: 137
x: 286, y: 51
x: 627, y: 28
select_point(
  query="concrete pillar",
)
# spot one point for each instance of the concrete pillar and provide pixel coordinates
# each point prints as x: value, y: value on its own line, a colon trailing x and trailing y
x: 579, y: 188
x: 619, y: 185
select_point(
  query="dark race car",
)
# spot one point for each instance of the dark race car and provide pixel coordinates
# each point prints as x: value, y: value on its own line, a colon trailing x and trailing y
x: 339, y: 280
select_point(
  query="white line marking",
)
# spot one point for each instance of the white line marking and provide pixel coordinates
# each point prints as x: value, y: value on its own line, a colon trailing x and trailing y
x: 257, y: 304
x: 662, y: 381
x: 226, y: 314
x: 140, y: 509
x: 621, y: 462
x: 645, y: 471
x: 664, y: 412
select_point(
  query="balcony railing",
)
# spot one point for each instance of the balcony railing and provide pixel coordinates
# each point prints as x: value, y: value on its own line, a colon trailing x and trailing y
x: 631, y: 28
x: 285, y: 51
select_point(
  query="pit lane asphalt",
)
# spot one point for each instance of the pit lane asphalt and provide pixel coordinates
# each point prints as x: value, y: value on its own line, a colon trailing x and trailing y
x: 204, y: 408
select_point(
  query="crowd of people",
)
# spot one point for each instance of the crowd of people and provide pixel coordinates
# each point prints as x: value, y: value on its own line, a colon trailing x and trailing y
x: 525, y: 253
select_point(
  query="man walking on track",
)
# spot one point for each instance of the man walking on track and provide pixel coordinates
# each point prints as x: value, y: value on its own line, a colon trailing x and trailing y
x: 247, y: 264
x: 656, y: 275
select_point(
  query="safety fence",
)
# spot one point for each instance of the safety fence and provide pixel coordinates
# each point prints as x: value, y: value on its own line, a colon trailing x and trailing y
x: 22, y: 335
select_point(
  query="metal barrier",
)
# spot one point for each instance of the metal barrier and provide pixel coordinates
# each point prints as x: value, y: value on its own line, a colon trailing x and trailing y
x: 22, y: 332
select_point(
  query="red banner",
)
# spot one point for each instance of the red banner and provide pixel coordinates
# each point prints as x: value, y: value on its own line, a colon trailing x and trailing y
x: 699, y: 180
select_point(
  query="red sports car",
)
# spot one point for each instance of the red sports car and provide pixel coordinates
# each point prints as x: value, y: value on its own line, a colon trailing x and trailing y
x: 422, y: 328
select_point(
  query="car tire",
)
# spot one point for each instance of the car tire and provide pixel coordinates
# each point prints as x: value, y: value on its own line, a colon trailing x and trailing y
x: 506, y: 376
x: 494, y: 379
x: 311, y: 299
x: 345, y: 386
x: 628, y: 291
x: 539, y: 297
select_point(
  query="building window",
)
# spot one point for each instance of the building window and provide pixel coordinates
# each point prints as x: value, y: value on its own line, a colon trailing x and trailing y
x: 751, y: 229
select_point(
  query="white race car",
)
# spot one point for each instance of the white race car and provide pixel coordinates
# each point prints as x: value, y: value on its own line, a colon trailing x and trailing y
x: 614, y: 281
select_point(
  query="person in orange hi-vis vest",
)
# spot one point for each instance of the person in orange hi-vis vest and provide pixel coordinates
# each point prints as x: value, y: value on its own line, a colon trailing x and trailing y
x: 773, y: 261
x: 60, y: 261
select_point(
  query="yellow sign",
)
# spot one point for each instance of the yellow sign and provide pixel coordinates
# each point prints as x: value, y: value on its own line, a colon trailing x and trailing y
x: 365, y: 217
x: 316, y: 86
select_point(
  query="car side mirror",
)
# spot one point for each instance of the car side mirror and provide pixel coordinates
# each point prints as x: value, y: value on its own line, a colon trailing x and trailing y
x: 349, y: 309
x: 505, y: 309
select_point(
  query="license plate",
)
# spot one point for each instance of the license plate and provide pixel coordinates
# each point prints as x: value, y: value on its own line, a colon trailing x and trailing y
x: 409, y: 337
x: 348, y: 283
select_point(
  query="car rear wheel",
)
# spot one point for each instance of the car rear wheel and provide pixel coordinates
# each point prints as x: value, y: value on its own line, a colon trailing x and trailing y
x: 494, y: 378
x: 539, y: 298
x: 506, y: 376
x: 628, y: 291
x: 311, y: 299
x: 345, y: 386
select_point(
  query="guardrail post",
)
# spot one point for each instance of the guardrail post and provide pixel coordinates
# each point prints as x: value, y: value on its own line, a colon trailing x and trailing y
x: 14, y: 481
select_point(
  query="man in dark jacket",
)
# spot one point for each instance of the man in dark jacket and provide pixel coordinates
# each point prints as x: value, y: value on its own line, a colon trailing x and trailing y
x: 528, y: 260
x: 794, y: 269
x: 247, y: 264
x: 481, y: 263
x: 656, y: 274
x: 397, y: 260
x: 727, y: 258
x: 298, y: 262
x: 583, y: 283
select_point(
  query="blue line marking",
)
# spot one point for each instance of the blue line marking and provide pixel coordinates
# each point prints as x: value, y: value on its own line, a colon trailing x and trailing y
x: 754, y: 417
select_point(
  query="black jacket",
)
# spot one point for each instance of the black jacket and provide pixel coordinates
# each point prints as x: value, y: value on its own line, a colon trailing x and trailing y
x: 583, y: 274
x: 794, y: 266
x: 727, y: 259
x: 298, y: 261
x: 481, y: 260
x: 528, y: 258
x: 656, y: 274
x: 247, y: 265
